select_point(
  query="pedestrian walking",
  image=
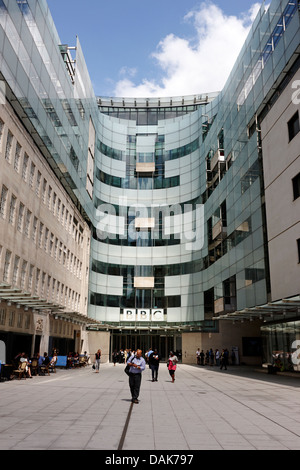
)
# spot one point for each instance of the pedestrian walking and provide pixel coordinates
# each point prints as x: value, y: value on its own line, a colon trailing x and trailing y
x: 217, y: 357
x: 172, y: 365
x: 97, y: 360
x: 207, y: 357
x: 121, y: 356
x: 233, y: 357
x: 115, y: 357
x: 211, y: 357
x: 154, y: 359
x: 198, y: 356
x: 137, y: 365
x: 202, y: 355
x: 224, y: 359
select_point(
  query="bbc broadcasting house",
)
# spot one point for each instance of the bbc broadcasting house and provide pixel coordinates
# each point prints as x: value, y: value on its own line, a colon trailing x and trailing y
x: 171, y: 223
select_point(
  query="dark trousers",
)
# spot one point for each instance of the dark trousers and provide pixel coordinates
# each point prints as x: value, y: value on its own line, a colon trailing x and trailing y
x: 135, y: 385
x: 154, y: 370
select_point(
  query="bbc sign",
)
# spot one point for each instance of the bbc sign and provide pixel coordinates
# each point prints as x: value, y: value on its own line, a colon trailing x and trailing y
x: 147, y: 315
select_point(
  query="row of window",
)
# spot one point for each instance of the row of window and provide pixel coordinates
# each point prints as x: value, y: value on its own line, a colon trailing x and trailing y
x: 17, y: 319
x: 14, y: 154
x: 14, y: 319
x: 272, y: 42
x: 146, y: 183
x: 21, y: 273
x: 32, y: 228
x: 159, y: 150
x: 294, y: 129
x: 61, y: 328
x: 192, y: 267
x: 147, y: 116
x: 144, y: 299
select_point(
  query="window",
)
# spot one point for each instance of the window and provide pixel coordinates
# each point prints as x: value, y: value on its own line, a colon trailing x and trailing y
x: 43, y: 284
x: 296, y: 186
x: 21, y: 217
x: 44, y: 191
x: 49, y: 196
x: 1, y: 130
x: 23, y: 274
x: 38, y: 183
x: 27, y: 222
x: 17, y: 157
x: 34, y: 229
x: 37, y: 281
x: 41, y: 234
x: 12, y: 209
x: 3, y: 200
x: 46, y: 240
x: 11, y: 318
x: 293, y: 126
x: 2, y: 316
x: 6, y: 266
x: 16, y: 270
x: 8, y: 146
x: 32, y: 173
x: 51, y: 244
x: 25, y: 166
x: 30, y: 277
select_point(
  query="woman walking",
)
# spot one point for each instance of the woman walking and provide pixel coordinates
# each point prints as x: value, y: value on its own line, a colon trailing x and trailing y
x: 172, y: 365
x: 97, y: 360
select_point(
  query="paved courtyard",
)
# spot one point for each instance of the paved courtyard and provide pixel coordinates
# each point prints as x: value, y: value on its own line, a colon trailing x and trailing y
x: 205, y: 409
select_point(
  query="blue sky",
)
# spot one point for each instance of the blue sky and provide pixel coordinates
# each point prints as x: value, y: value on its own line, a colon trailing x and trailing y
x: 158, y: 47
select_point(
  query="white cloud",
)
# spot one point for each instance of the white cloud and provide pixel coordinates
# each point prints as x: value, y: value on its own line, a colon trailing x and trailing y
x: 198, y: 65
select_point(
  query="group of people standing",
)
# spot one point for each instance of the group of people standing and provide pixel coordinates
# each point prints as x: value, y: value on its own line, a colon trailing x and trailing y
x: 211, y: 358
x: 120, y: 357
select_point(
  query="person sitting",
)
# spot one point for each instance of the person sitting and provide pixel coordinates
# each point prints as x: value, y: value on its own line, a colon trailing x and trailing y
x: 46, y: 359
x: 46, y: 362
x: 23, y: 359
x: 40, y: 364
x: 53, y: 361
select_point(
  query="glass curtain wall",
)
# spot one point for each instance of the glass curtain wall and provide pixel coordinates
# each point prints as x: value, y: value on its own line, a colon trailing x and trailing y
x: 281, y: 343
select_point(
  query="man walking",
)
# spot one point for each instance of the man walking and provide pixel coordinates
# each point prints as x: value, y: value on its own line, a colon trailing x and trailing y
x: 154, y: 359
x: 224, y: 359
x: 137, y: 365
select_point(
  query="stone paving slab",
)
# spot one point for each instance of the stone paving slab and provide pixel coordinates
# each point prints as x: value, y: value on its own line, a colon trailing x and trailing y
x: 205, y: 409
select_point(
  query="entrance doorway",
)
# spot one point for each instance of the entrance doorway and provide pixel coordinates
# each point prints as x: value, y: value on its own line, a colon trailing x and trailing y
x: 146, y: 340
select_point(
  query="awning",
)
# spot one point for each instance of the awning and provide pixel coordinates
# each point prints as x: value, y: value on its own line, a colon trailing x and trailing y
x: 280, y: 310
x: 19, y: 298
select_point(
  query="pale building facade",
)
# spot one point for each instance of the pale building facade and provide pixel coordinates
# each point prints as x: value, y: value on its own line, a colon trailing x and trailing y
x: 44, y: 249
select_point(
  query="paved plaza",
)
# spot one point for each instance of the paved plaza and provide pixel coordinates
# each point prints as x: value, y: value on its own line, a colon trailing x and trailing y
x: 205, y: 409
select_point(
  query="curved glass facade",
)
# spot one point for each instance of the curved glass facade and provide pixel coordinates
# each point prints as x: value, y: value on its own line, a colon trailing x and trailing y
x: 179, y: 195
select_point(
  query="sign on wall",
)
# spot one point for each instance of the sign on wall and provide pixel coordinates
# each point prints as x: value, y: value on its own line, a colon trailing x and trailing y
x: 146, y: 315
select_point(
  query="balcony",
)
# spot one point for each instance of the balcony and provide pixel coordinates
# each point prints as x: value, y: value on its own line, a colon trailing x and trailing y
x: 144, y: 223
x: 219, y: 232
x: 145, y: 167
x: 144, y: 282
x: 217, y: 158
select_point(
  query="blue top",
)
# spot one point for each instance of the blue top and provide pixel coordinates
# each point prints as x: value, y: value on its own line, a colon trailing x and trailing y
x: 41, y: 360
x: 140, y: 362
